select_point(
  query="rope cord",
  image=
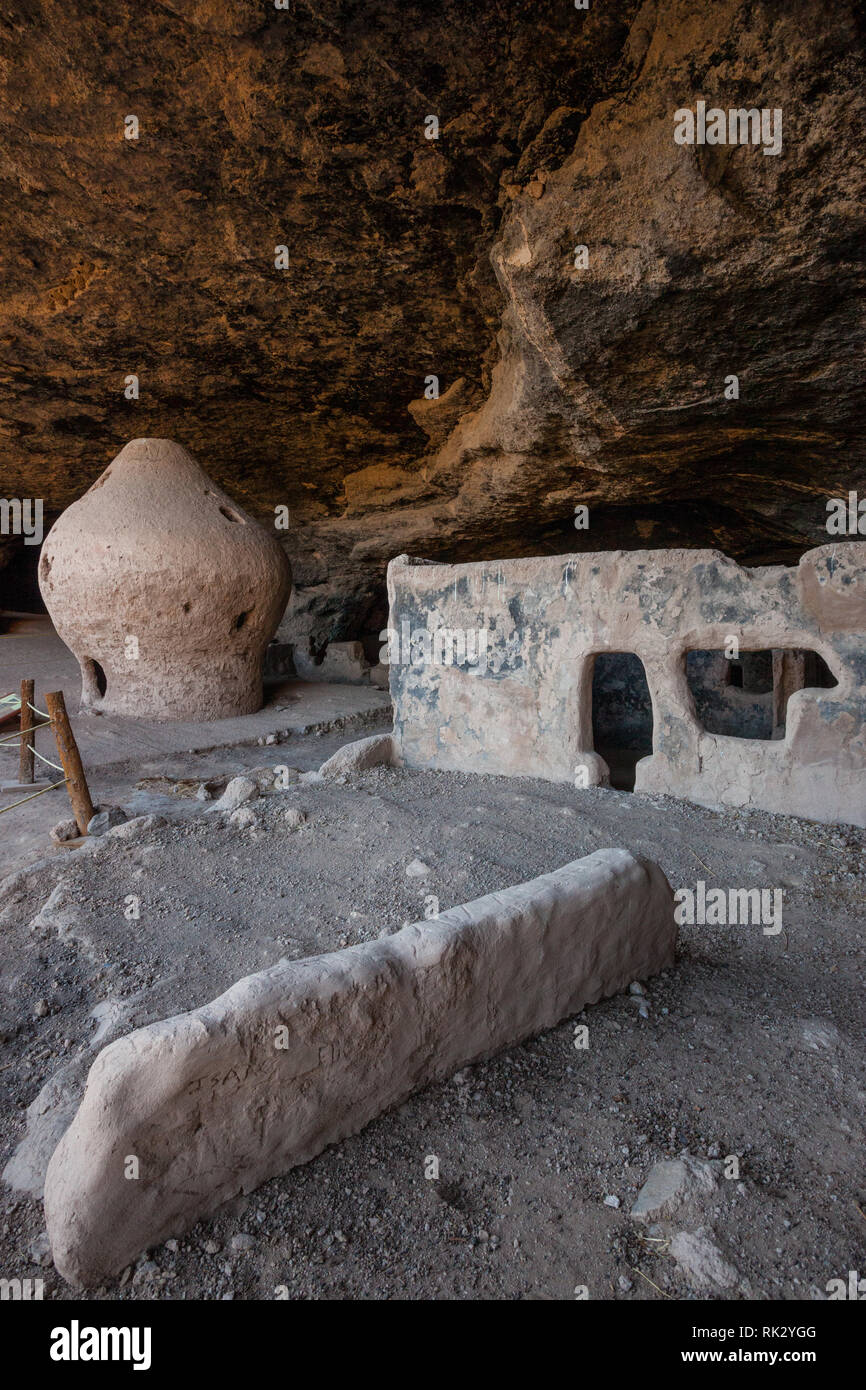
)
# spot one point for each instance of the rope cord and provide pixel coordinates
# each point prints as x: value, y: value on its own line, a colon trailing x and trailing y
x: 45, y: 760
x: 11, y: 738
x: 48, y: 723
x: 33, y: 795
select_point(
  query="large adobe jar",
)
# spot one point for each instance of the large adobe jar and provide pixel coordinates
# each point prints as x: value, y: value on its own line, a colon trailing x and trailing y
x: 164, y: 589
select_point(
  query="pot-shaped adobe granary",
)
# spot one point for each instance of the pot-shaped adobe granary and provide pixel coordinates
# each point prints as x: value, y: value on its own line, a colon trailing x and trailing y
x: 165, y: 590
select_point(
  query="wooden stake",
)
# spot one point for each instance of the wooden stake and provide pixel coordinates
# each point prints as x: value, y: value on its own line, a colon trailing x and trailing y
x: 26, y: 774
x: 79, y: 793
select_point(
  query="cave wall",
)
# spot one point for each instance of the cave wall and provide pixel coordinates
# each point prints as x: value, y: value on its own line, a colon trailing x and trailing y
x: 409, y: 257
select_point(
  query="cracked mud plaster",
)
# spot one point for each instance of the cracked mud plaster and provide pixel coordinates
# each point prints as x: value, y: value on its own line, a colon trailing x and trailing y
x: 533, y: 717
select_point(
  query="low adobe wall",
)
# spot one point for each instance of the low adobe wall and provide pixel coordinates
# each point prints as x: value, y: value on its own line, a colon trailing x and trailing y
x: 525, y: 708
x: 214, y: 1102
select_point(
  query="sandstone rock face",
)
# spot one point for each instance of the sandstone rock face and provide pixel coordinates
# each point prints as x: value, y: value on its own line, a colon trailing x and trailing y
x: 492, y: 667
x: 165, y: 590
x: 216, y: 1101
x: 455, y: 257
x: 344, y: 663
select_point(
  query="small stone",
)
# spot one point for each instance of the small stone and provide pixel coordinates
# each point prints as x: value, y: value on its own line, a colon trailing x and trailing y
x: 239, y: 790
x: 41, y: 1009
x: 535, y: 188
x: 172, y: 1246
x: 417, y: 869
x: 40, y: 1249
x: 625, y: 1283
x: 242, y: 1241
x: 135, y: 828
x: 671, y: 1183
x: 820, y: 1035
x: 64, y: 830
x: 611, y: 1201
x: 106, y: 818
x: 265, y: 778
x: 636, y: 987
x: 702, y: 1263
x: 243, y: 818
x: 211, y: 1247
x: 358, y: 756
x: 294, y: 817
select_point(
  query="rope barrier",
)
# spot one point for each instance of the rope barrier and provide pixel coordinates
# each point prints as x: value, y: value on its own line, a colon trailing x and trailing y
x: 43, y: 759
x: 67, y: 749
x: 16, y: 738
x: 33, y: 795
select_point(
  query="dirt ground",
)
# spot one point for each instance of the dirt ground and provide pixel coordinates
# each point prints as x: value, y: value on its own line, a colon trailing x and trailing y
x: 750, y: 1046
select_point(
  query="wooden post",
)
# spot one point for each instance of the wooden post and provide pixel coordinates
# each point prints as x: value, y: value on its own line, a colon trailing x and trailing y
x: 26, y: 774
x: 70, y: 758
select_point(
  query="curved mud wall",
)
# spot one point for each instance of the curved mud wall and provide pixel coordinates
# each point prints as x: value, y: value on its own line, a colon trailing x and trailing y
x: 165, y: 590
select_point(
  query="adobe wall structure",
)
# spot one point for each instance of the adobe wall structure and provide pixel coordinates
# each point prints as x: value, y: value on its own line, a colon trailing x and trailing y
x: 213, y: 1102
x: 164, y: 589
x: 525, y: 709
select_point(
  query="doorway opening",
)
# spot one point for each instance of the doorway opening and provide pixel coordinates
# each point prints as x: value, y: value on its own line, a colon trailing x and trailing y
x: 94, y: 680
x: 622, y: 716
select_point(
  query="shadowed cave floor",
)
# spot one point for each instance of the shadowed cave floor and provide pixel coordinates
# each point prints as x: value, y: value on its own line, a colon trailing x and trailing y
x: 752, y: 1043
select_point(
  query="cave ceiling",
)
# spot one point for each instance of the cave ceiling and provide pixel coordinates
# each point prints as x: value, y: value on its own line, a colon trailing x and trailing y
x: 409, y: 257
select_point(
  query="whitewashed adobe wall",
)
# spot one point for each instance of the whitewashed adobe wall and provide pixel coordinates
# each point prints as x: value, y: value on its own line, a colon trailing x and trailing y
x: 523, y: 707
x: 213, y: 1102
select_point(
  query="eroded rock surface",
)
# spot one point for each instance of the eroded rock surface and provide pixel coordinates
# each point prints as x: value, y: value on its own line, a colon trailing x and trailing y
x: 408, y: 257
